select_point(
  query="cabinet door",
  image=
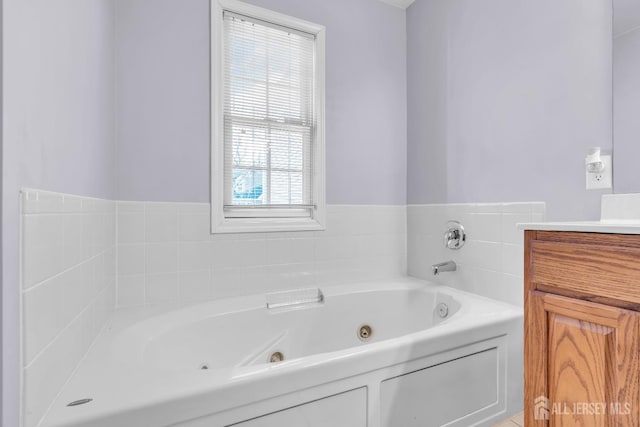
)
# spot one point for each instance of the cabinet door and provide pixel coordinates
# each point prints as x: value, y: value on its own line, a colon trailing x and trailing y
x: 581, y: 363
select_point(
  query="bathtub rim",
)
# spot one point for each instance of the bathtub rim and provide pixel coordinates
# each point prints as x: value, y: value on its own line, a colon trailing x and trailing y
x: 147, y: 324
x: 472, y: 325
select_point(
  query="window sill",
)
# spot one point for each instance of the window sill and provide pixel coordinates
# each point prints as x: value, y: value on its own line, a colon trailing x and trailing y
x: 261, y: 225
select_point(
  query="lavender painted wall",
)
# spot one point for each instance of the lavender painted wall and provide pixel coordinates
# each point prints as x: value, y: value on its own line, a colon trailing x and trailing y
x: 163, y: 98
x: 57, y: 129
x: 626, y: 90
x: 498, y: 109
x: 1, y: 212
x: 505, y: 99
x: 162, y: 75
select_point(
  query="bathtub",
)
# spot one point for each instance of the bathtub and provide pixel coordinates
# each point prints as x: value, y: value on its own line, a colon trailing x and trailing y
x: 396, y: 353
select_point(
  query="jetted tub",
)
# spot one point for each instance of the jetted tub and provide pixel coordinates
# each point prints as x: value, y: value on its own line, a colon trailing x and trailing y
x: 398, y: 353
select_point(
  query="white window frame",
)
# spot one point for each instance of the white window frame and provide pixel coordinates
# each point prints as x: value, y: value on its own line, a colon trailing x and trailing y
x: 219, y: 222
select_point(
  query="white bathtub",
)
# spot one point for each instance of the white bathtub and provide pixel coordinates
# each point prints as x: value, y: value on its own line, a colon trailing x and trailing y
x: 416, y: 369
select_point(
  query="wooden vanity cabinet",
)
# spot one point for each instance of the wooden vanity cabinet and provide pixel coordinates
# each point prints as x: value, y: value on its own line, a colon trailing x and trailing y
x: 582, y: 329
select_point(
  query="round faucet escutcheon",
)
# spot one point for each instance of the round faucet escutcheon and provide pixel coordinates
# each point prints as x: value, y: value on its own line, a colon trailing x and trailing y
x: 454, y: 237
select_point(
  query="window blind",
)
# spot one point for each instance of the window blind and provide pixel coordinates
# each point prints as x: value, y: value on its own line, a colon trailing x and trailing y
x: 268, y: 118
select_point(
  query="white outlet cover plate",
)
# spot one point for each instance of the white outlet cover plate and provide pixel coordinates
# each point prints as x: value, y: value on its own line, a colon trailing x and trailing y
x: 600, y: 180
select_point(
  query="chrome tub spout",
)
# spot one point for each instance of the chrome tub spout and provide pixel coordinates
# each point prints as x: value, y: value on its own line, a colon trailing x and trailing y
x: 443, y: 266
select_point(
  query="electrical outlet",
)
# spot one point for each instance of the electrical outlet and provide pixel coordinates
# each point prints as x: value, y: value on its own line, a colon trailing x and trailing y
x: 600, y: 180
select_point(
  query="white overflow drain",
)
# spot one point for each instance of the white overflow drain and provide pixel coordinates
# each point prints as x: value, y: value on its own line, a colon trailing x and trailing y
x: 443, y: 310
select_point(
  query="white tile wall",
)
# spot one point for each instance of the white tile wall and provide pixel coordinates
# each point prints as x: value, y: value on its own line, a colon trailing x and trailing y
x: 176, y: 259
x: 492, y: 261
x: 68, y: 287
x: 76, y: 249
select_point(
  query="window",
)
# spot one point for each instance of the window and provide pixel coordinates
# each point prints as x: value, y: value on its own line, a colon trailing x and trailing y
x: 267, y: 110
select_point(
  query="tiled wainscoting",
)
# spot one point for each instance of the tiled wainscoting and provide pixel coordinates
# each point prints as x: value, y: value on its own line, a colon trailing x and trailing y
x: 166, y: 253
x: 68, y: 286
x: 490, y: 263
x: 82, y: 257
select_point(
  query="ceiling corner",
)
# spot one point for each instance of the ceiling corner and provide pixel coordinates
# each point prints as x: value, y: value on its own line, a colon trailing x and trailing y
x: 403, y: 4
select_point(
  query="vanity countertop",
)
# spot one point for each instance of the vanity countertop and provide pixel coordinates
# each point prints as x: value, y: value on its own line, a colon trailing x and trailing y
x: 609, y: 226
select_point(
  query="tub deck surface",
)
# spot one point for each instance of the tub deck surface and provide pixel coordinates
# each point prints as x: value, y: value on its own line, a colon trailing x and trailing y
x: 131, y: 384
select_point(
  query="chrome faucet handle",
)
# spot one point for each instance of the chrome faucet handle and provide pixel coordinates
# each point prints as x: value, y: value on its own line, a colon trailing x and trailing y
x: 454, y: 237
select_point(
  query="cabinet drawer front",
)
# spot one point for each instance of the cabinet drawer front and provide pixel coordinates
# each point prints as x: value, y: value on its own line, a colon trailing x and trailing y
x: 610, y: 272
